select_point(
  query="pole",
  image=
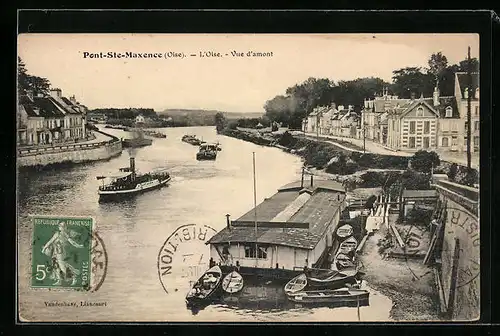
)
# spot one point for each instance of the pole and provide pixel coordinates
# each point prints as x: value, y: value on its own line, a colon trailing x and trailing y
x: 469, y: 95
x: 364, y: 139
x: 317, y: 126
x: 255, y: 208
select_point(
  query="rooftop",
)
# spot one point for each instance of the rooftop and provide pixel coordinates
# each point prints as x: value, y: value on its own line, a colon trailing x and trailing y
x: 419, y: 193
x: 462, y: 82
x: 295, y: 216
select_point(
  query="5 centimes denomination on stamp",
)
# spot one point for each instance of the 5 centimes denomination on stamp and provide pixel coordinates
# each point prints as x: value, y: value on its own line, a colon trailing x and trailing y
x: 61, y: 252
x: 184, y: 256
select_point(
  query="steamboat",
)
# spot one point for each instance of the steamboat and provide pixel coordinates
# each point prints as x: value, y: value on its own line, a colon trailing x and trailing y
x: 129, y: 182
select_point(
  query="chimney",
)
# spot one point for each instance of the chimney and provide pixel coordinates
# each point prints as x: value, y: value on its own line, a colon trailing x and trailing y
x: 228, y: 222
x: 435, y: 96
x: 72, y: 99
x: 132, y: 167
x: 56, y: 93
x: 412, y: 96
x: 333, y: 106
x: 29, y: 93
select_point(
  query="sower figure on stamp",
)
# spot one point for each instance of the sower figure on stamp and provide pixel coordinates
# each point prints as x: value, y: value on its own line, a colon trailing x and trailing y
x: 56, y: 249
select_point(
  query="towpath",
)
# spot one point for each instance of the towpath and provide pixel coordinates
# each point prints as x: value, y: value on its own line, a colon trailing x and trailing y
x: 376, y: 148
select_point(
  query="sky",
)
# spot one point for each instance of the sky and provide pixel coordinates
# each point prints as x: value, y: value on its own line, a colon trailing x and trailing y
x: 227, y: 83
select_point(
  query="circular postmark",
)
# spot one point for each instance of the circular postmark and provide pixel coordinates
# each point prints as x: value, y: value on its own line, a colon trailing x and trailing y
x: 99, y: 263
x: 462, y: 245
x: 184, y: 256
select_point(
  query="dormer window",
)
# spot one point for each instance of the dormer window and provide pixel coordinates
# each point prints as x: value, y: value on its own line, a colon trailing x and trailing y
x: 466, y: 93
x: 420, y: 111
x: 449, y: 112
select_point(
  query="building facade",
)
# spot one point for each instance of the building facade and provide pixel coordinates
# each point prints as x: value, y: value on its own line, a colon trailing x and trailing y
x: 49, y: 119
x: 461, y: 96
x: 412, y: 126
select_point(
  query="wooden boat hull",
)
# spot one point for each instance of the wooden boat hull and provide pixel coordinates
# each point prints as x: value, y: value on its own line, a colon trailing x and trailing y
x: 206, y: 295
x: 202, y: 156
x: 332, y: 297
x: 296, y: 284
x: 232, y: 283
x: 336, y: 279
x: 105, y: 195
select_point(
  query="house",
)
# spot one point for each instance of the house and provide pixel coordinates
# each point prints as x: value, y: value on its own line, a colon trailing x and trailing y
x: 140, y: 119
x: 48, y: 119
x: 325, y: 120
x: 295, y: 228
x: 373, y: 121
x: 349, y: 122
x: 461, y: 94
x: 413, y: 125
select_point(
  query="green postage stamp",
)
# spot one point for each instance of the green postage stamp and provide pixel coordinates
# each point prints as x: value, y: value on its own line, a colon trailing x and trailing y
x: 61, y: 252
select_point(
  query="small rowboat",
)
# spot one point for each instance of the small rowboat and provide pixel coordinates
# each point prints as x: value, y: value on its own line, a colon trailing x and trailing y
x: 296, y: 284
x: 232, y: 283
x: 332, y: 278
x: 343, y: 295
x: 205, y: 287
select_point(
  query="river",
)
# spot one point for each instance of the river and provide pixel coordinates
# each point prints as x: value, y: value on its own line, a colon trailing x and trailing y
x: 200, y: 192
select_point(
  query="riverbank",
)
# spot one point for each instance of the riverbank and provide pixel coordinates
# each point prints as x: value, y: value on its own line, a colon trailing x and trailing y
x: 104, y: 147
x: 339, y: 158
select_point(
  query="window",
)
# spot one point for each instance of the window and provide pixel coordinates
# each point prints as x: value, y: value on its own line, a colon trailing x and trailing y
x: 466, y: 124
x: 454, y: 127
x: 476, y: 125
x: 412, y: 142
x: 444, y: 142
x: 412, y: 127
x: 250, y: 252
x: 426, y: 142
x: 476, y: 111
x: 420, y: 111
x: 454, y: 140
x: 476, y: 142
x: 427, y: 127
x: 449, y: 112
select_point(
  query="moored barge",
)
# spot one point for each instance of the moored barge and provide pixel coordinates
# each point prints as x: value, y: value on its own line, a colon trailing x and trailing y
x: 292, y: 230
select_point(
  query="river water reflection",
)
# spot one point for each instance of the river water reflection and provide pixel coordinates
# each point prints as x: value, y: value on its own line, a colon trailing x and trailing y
x: 134, y: 231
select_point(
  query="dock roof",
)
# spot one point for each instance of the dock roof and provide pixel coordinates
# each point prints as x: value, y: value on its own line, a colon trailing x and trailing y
x: 419, y: 193
x: 289, y: 217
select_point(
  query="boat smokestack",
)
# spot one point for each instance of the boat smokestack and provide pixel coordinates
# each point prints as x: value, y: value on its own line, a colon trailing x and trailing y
x: 132, y: 167
x: 228, y: 222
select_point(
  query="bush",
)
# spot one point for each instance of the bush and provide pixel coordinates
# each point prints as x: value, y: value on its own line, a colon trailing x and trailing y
x: 287, y: 140
x: 373, y: 179
x: 414, y: 180
x: 423, y: 161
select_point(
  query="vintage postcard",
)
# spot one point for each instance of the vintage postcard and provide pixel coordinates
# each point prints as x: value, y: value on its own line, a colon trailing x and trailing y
x: 248, y: 178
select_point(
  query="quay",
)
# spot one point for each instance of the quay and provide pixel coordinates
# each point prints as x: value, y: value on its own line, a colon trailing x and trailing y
x: 103, y: 147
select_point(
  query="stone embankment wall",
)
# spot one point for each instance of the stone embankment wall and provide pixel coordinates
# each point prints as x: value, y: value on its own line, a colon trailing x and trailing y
x: 460, y: 252
x: 70, y: 153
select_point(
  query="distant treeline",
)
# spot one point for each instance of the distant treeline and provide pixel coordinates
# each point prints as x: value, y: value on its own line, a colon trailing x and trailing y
x: 126, y: 113
x: 299, y: 100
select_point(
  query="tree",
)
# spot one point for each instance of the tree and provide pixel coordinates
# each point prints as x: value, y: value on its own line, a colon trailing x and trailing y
x: 411, y: 80
x: 423, y: 161
x: 22, y: 77
x: 220, y: 122
x: 452, y: 173
x: 437, y: 63
x: 462, y: 65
